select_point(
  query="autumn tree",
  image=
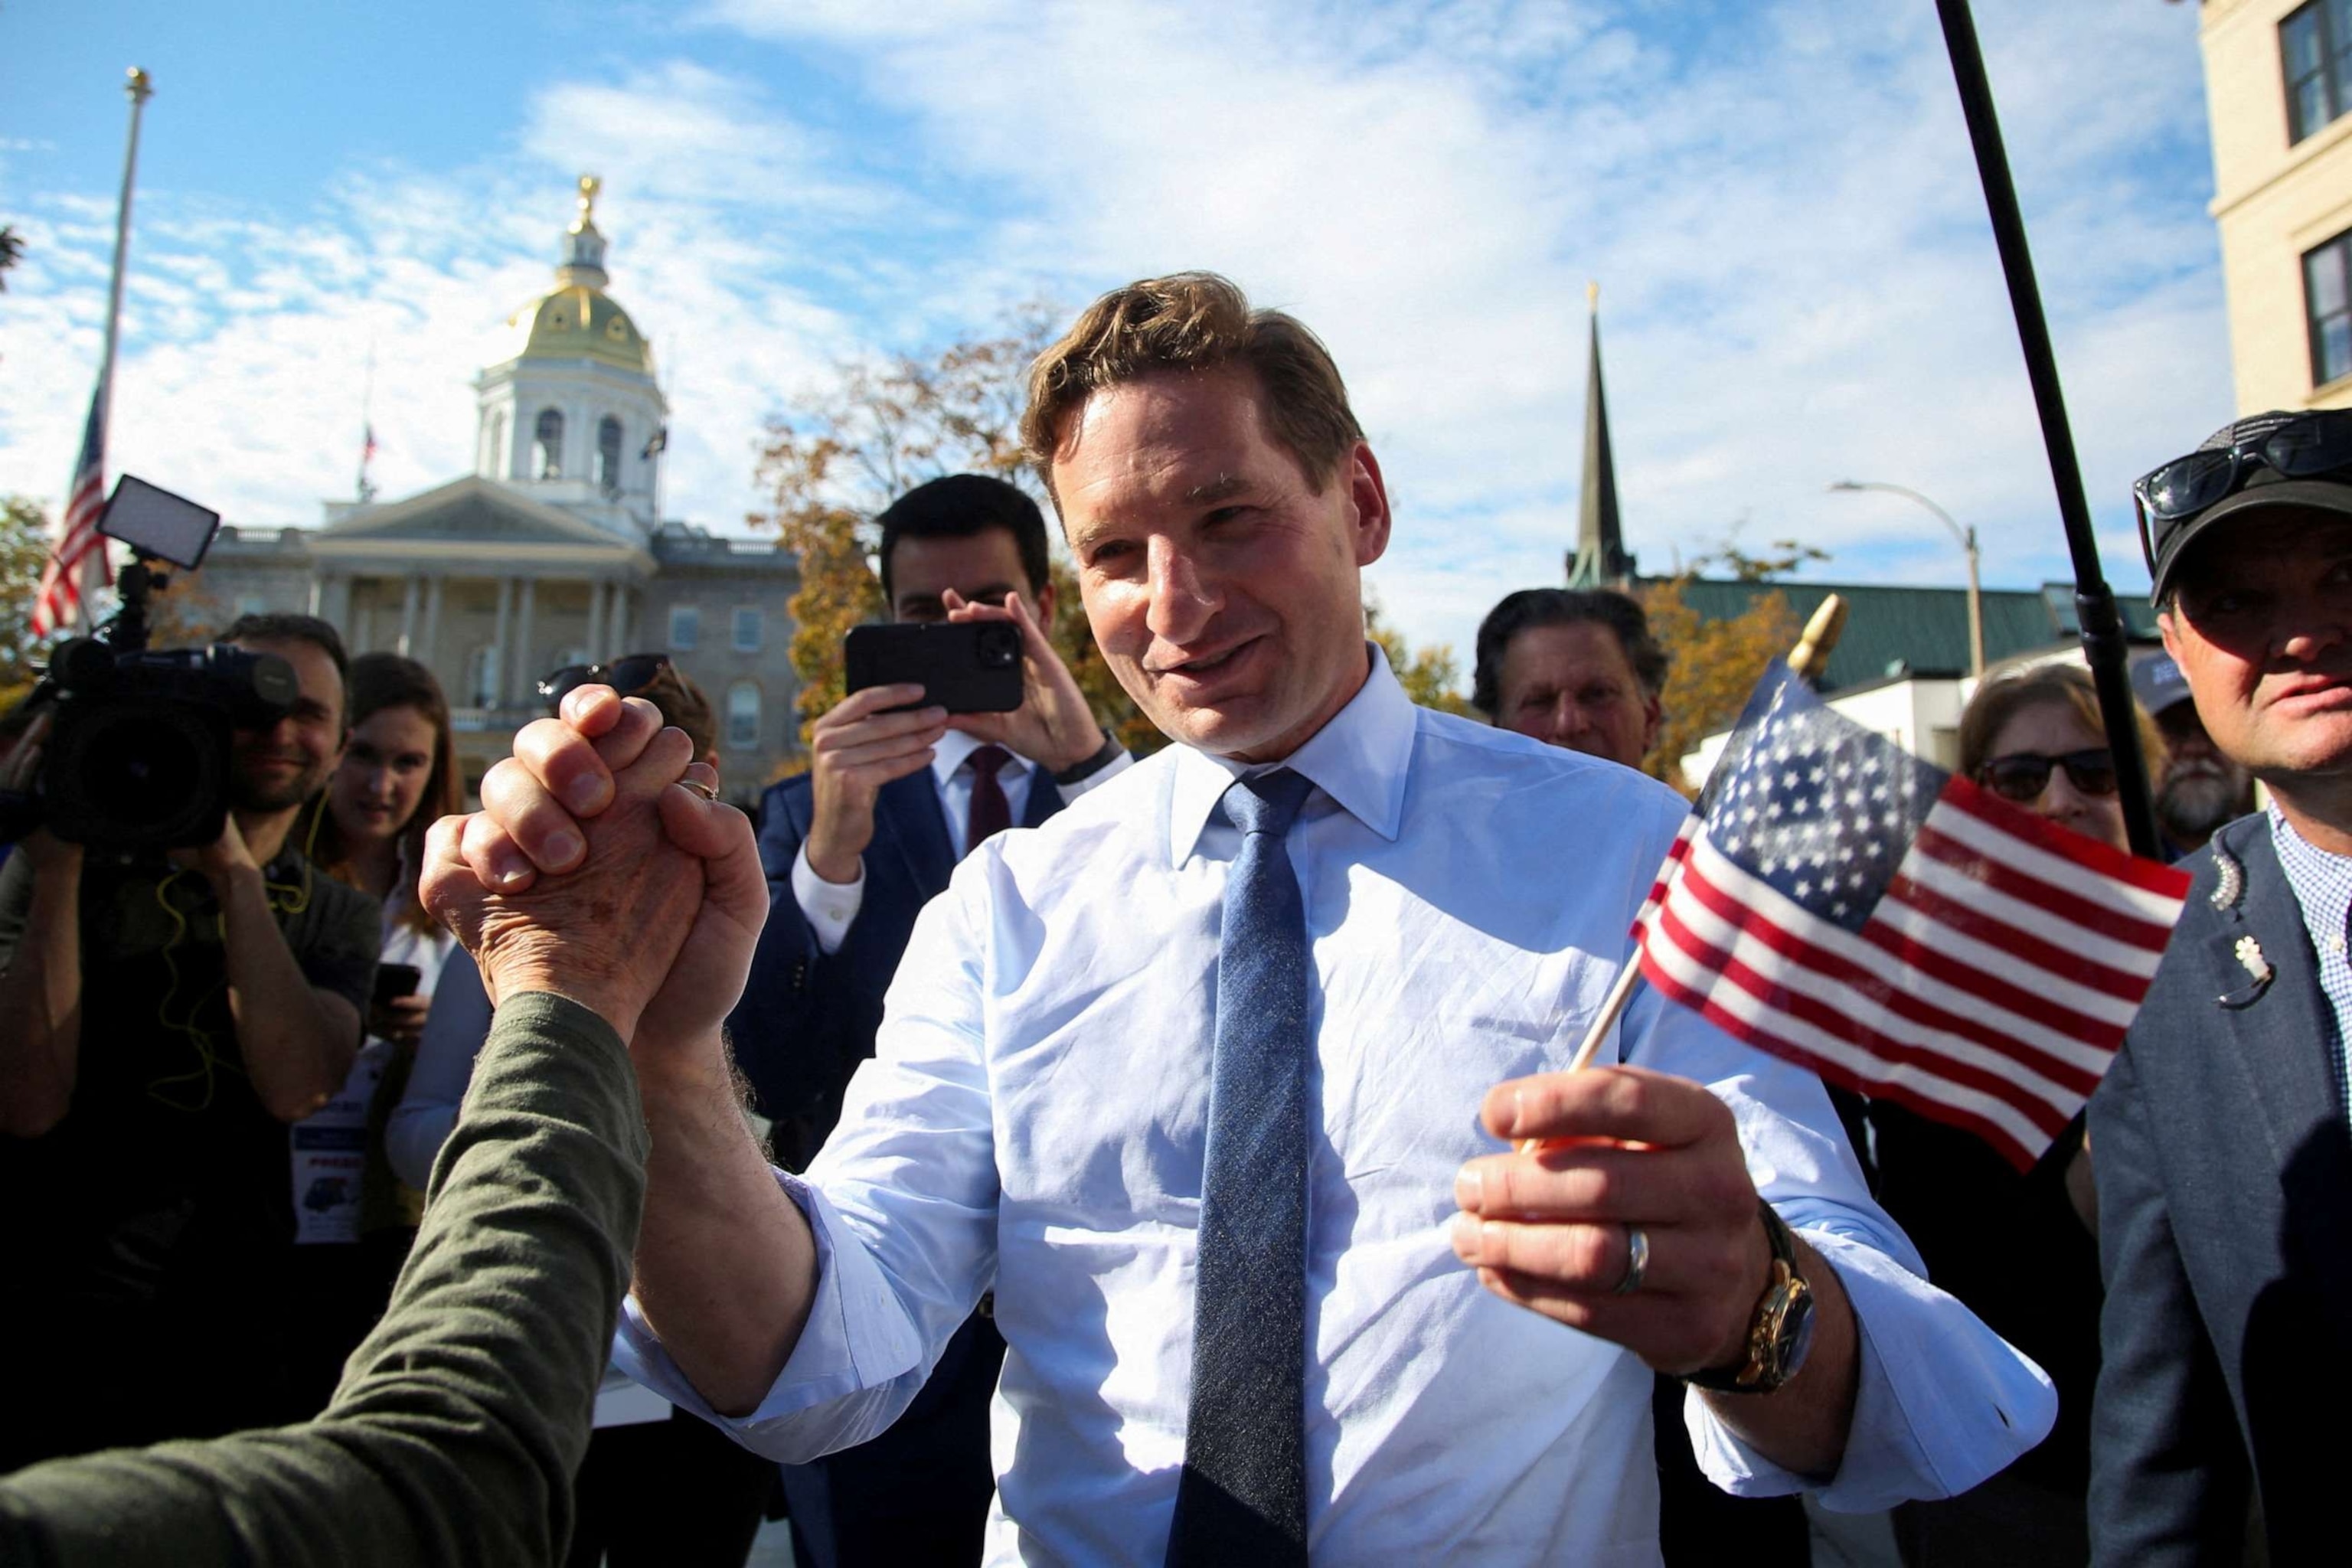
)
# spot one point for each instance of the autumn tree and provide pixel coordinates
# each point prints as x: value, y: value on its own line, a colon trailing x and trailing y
x: 1430, y: 676
x: 1716, y: 663
x: 24, y: 548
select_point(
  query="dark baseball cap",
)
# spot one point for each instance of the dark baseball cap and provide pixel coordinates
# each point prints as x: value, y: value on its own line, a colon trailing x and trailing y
x: 2260, y: 463
x: 2157, y: 683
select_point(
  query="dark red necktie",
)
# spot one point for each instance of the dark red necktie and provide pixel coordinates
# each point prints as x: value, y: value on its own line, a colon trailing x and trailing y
x: 991, y: 812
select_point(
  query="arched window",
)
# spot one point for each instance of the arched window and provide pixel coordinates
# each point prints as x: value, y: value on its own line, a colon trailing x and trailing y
x: 608, y: 456
x: 742, y: 716
x: 550, y: 441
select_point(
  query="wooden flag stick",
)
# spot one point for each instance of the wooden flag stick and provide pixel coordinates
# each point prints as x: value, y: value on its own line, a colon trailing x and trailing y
x: 1806, y: 659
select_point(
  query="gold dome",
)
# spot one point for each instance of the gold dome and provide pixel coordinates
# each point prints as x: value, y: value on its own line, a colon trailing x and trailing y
x: 578, y: 319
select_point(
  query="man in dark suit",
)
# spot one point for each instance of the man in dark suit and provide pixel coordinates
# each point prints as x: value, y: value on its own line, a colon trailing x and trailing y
x: 854, y: 849
x: 2218, y: 1138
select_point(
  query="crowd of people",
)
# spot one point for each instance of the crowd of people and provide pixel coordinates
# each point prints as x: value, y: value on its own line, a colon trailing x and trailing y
x: 1011, y: 1149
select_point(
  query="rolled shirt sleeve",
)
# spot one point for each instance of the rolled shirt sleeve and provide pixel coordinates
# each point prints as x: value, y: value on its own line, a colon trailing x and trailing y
x: 902, y: 1204
x: 1941, y: 1401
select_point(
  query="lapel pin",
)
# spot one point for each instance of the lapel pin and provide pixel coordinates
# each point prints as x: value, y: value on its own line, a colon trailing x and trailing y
x: 2229, y: 884
x: 2258, y: 968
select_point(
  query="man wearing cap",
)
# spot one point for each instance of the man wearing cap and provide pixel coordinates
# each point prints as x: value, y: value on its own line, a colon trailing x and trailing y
x: 2219, y: 1137
x: 2201, y: 787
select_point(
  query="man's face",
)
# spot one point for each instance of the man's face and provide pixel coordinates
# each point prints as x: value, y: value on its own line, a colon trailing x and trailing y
x: 2261, y: 627
x: 984, y: 567
x: 282, y: 766
x: 1225, y: 593
x: 2202, y: 789
x: 1572, y: 686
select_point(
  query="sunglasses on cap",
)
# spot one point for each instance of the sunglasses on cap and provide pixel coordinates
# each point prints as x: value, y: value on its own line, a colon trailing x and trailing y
x: 627, y: 675
x: 2303, y: 445
x: 2021, y: 776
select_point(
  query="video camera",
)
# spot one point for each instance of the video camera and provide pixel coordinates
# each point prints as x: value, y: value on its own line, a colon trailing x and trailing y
x: 138, y: 755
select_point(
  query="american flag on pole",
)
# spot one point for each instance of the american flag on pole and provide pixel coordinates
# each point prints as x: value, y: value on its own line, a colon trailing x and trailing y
x: 77, y: 567
x: 1842, y: 904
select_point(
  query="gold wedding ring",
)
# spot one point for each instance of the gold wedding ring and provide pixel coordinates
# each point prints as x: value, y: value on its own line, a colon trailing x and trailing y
x: 708, y: 792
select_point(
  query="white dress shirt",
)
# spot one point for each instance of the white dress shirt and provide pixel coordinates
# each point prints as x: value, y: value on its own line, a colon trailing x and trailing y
x: 1035, y: 1117
x: 831, y: 908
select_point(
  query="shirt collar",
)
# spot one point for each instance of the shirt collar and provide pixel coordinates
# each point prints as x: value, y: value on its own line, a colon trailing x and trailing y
x: 954, y: 747
x: 2322, y: 881
x: 1359, y: 759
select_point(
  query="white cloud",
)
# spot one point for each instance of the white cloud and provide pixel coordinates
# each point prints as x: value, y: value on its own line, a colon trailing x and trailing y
x: 1798, y: 282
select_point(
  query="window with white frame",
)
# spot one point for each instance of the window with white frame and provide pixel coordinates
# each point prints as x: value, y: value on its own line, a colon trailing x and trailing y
x: 748, y: 629
x: 2315, y: 53
x: 2327, y: 308
x: 743, y: 716
x: 684, y: 626
x: 548, y: 440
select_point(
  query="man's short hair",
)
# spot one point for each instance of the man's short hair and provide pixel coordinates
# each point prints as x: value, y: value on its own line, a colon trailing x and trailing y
x: 285, y: 626
x: 1195, y: 321
x: 1531, y: 607
x: 962, y: 505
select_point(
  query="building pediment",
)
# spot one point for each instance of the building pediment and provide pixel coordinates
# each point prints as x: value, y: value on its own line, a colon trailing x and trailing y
x: 474, y: 517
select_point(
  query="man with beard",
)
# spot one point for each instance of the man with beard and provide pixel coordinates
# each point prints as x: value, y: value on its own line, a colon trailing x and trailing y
x: 2202, y: 787
x: 162, y: 1021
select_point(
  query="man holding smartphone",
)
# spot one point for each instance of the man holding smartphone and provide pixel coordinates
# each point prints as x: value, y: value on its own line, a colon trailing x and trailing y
x: 896, y: 793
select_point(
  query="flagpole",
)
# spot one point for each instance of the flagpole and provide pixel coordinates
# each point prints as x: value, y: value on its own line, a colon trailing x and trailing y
x: 1810, y: 653
x: 140, y: 87
x: 2104, y: 649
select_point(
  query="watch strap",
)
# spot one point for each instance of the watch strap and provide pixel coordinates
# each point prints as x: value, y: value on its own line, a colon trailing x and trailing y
x: 1109, y: 752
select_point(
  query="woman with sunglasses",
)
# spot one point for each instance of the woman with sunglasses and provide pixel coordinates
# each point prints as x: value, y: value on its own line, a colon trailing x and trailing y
x: 2019, y: 1250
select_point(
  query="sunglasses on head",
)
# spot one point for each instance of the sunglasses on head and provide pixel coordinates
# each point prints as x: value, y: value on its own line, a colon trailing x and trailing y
x: 627, y: 675
x: 2301, y: 447
x: 2021, y: 776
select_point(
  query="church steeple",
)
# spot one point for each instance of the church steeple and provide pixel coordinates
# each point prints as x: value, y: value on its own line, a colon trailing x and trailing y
x: 1600, y: 560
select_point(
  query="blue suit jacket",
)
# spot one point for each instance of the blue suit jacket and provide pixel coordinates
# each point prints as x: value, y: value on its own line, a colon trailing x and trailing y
x: 2225, y: 1214
x: 807, y: 1018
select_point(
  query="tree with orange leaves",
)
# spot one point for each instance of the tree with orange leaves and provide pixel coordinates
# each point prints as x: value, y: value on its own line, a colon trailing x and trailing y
x: 1715, y: 664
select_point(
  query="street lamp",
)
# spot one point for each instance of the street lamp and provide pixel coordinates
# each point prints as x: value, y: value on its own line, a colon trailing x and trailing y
x: 1967, y: 538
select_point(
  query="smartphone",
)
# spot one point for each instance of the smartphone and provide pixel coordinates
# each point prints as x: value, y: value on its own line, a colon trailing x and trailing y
x: 394, y: 980
x: 966, y: 667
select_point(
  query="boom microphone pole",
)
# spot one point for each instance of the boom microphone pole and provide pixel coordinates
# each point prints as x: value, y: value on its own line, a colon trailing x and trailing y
x: 2094, y: 602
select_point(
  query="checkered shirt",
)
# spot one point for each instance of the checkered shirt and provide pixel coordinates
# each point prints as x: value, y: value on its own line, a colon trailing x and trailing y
x: 2323, y: 890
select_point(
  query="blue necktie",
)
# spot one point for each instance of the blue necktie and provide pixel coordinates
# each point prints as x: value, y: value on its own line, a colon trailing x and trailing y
x: 1242, y: 1498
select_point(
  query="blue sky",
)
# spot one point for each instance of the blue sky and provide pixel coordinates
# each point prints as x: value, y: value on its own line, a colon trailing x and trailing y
x: 1798, y: 281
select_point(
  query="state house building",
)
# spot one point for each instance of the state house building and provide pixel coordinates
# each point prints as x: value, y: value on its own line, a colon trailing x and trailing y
x: 552, y: 551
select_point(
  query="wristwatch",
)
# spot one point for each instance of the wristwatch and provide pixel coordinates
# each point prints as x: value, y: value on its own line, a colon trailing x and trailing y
x: 1782, y: 1328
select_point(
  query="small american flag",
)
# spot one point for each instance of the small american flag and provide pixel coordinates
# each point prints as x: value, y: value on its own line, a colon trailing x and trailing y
x: 77, y: 566
x: 1841, y: 904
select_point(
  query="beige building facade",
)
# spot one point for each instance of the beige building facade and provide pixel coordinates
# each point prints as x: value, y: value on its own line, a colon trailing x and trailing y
x: 551, y: 552
x: 2278, y: 90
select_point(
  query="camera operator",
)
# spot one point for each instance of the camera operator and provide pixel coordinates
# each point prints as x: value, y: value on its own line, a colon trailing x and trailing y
x: 161, y: 1020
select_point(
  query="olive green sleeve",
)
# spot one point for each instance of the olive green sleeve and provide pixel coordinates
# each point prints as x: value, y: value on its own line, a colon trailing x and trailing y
x: 454, y: 1433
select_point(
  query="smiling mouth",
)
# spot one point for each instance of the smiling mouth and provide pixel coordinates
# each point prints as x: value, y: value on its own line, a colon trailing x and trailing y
x: 1208, y: 665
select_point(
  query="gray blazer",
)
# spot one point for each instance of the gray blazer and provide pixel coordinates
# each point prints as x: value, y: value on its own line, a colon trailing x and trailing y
x: 2225, y: 1227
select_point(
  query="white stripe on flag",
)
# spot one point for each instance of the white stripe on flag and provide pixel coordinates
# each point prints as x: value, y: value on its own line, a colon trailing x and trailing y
x: 1941, y: 877
x: 1989, y: 841
x: 2001, y: 963
x: 1871, y: 1068
x: 1893, y: 972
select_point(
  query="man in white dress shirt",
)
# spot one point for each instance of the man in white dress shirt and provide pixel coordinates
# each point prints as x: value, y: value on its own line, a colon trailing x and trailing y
x: 1038, y: 1115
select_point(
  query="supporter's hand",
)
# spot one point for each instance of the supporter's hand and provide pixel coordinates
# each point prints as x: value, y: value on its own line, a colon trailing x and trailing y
x: 1052, y: 727
x: 853, y: 750
x: 223, y: 857
x: 1547, y: 1227
x: 594, y: 906
x: 400, y: 1019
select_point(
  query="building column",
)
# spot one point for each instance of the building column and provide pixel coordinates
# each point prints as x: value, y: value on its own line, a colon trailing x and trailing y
x: 625, y: 616
x: 318, y: 595
x: 432, y: 642
x: 335, y: 601
x: 525, y: 676
x: 496, y: 695
x: 408, y: 598
x: 595, y: 621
